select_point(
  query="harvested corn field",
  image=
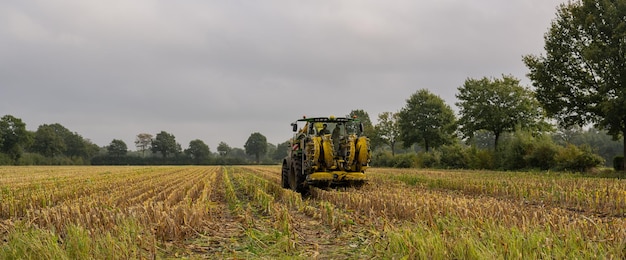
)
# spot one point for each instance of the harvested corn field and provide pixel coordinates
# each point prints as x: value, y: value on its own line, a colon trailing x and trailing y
x: 242, y: 212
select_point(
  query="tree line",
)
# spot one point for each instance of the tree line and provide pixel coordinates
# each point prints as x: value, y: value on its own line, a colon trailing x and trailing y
x: 54, y: 144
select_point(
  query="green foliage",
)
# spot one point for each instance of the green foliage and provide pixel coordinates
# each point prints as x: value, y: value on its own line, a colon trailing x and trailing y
x: 618, y: 163
x: 13, y: 137
x: 117, y: 148
x: 454, y: 156
x: 427, y: 121
x: 387, y: 131
x: 429, y: 159
x: 5, y: 159
x: 580, y: 159
x: 525, y: 151
x: 198, y: 151
x: 142, y: 142
x: 165, y: 143
x: 601, y: 142
x: 542, y: 155
x: 281, y: 151
x: 31, y: 243
x: 34, y: 159
x: 498, y: 106
x: 386, y: 159
x: 256, y: 145
x: 364, y: 117
x: 48, y: 141
x: 481, y: 159
x: 55, y: 140
x: 581, y: 80
x: 223, y: 149
x: 407, y: 160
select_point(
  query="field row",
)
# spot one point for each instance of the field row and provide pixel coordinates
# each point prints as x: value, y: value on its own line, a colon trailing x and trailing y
x: 242, y: 212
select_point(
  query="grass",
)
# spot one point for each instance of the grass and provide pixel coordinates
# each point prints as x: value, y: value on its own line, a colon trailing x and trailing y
x: 242, y: 212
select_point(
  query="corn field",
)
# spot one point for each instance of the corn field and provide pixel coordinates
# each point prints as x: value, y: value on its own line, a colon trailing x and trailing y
x: 241, y: 212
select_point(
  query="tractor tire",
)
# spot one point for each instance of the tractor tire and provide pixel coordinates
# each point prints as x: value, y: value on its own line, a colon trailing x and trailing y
x: 284, y: 177
x: 297, y: 178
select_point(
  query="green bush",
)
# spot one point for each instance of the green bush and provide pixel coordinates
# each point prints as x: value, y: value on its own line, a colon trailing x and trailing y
x: 511, y: 154
x: 617, y: 163
x: 5, y: 159
x: 407, y: 160
x: 428, y: 159
x: 541, y: 154
x: 454, y: 156
x: 481, y: 159
x: 574, y: 158
x: 382, y: 159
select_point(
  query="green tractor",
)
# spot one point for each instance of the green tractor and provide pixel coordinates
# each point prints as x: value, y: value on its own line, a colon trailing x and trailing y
x: 326, y: 152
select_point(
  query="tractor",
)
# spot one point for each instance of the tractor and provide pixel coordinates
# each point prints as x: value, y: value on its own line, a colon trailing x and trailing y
x: 327, y: 152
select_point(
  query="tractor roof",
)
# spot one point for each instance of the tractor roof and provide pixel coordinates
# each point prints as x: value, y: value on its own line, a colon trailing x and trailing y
x: 328, y: 119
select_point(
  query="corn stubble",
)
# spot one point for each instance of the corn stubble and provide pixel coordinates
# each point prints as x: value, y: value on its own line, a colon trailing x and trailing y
x: 242, y: 212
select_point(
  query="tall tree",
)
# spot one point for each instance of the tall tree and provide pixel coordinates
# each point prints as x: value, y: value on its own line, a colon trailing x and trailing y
x: 223, y: 149
x: 13, y: 137
x: 142, y: 142
x: 388, y: 129
x: 426, y: 120
x: 117, y: 148
x: 75, y: 145
x: 165, y: 143
x: 198, y: 151
x: 498, y: 106
x: 48, y: 141
x: 256, y: 145
x: 582, y: 77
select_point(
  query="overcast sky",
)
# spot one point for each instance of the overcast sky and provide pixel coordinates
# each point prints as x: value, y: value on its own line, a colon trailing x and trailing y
x: 221, y: 70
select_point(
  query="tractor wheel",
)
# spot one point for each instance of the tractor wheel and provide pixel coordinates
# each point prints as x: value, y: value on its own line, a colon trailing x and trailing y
x: 299, y: 177
x: 284, y: 177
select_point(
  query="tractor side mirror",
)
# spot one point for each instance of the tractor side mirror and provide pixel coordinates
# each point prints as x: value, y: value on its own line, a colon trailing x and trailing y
x: 294, y: 127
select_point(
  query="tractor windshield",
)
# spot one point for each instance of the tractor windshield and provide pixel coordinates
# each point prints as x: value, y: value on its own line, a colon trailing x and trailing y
x: 336, y: 128
x: 326, y: 126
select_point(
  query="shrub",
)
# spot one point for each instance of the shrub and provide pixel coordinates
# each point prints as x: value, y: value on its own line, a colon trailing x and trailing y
x: 428, y: 159
x: 382, y: 159
x: 453, y: 156
x: 5, y: 159
x: 573, y: 158
x: 481, y: 159
x: 541, y: 154
x: 407, y: 160
x: 511, y: 154
x: 617, y: 163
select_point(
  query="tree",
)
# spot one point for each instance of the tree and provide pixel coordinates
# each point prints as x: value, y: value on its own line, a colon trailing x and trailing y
x: 282, y: 150
x: 13, y: 137
x: 256, y: 145
x: 582, y: 78
x: 427, y: 121
x: 117, y: 148
x: 75, y: 145
x: 388, y: 129
x: 223, y: 149
x: 165, y: 143
x: 198, y: 151
x: 48, y: 141
x: 368, y: 127
x: 142, y: 142
x: 498, y: 106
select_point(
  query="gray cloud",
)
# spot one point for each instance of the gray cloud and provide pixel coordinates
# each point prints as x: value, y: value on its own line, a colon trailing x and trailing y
x: 221, y: 70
